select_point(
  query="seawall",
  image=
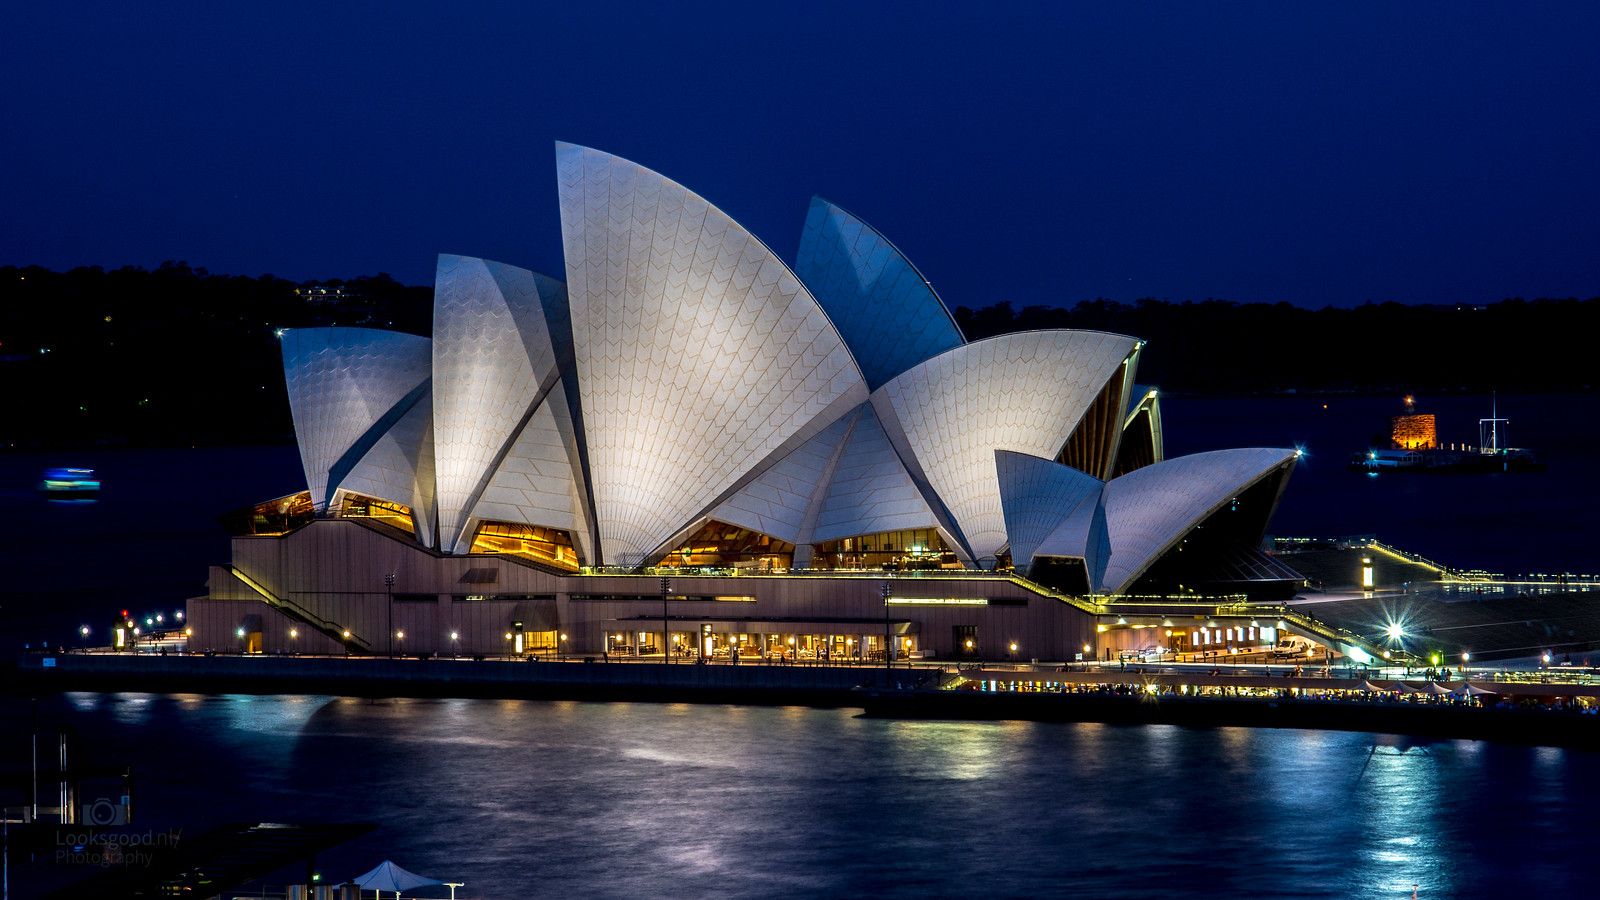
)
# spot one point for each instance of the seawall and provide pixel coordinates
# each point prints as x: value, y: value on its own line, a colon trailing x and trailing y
x: 409, y: 677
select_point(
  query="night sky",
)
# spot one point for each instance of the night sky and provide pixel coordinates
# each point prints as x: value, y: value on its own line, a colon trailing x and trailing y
x: 1039, y: 154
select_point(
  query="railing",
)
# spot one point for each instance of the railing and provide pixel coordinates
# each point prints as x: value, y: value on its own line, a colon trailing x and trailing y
x: 732, y: 571
x: 296, y: 611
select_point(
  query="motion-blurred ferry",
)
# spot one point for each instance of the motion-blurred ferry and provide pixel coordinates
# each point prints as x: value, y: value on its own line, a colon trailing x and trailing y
x: 69, y: 482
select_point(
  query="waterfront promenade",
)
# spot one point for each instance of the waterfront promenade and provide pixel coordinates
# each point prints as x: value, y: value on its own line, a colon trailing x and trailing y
x: 1538, y: 707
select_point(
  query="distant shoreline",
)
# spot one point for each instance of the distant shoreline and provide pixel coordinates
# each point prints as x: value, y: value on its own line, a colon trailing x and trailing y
x: 17, y: 445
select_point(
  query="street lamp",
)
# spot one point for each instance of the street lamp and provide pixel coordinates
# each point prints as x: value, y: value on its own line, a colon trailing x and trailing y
x: 455, y: 648
x: 562, y: 645
x: 1013, y: 650
x: 388, y: 589
x: 666, y: 585
x: 886, y: 591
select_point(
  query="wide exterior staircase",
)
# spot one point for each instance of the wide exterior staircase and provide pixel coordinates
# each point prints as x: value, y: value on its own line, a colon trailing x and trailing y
x: 352, y: 642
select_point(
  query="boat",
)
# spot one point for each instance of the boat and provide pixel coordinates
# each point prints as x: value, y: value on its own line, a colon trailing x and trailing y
x: 1414, y: 447
x: 67, y: 481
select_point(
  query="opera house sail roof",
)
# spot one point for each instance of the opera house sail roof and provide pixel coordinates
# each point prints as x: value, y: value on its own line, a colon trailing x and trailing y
x: 685, y: 395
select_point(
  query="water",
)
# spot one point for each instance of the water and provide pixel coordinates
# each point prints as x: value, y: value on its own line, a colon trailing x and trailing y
x: 146, y: 543
x: 526, y: 798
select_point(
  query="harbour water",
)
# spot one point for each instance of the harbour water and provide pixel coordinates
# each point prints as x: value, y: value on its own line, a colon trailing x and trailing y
x: 527, y: 799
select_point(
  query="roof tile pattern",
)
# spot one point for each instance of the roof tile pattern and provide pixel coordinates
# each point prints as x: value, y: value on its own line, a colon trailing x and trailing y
x: 1038, y: 496
x: 1022, y: 392
x: 887, y: 312
x: 1150, y: 509
x: 399, y: 467
x: 871, y: 491
x: 341, y: 382
x: 778, y: 502
x: 698, y: 353
x: 534, y: 483
x: 492, y: 358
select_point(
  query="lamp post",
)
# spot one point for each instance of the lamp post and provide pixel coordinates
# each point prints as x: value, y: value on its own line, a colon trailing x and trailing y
x: 666, y: 585
x: 455, y: 643
x: 888, y: 649
x: 562, y: 645
x: 388, y: 588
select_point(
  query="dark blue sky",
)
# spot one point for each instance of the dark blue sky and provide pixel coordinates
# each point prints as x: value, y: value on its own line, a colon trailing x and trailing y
x: 1041, y: 154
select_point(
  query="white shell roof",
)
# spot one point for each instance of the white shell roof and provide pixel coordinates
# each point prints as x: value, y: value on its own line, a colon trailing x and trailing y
x: 870, y: 490
x: 1045, y: 502
x: 781, y: 501
x: 1150, y: 509
x: 341, y: 383
x: 700, y: 379
x: 886, y: 310
x: 1023, y: 392
x: 399, y: 468
x: 1083, y: 534
x: 698, y: 353
x: 534, y: 483
x: 492, y: 360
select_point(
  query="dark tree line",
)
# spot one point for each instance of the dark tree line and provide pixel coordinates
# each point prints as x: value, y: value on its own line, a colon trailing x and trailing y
x: 1220, y: 346
x: 177, y: 355
x: 171, y: 356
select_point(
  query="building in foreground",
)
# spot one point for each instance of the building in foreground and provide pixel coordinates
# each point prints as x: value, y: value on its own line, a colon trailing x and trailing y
x: 809, y: 462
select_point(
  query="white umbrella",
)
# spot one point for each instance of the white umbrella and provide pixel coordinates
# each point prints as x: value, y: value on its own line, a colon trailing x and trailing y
x: 1437, y: 689
x: 1369, y: 686
x: 1475, y: 691
x: 390, y: 877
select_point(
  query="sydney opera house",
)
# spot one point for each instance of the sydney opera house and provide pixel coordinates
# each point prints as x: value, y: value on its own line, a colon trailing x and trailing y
x: 689, y: 445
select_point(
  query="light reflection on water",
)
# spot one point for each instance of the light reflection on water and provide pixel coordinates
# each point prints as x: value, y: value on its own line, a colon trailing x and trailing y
x: 519, y: 798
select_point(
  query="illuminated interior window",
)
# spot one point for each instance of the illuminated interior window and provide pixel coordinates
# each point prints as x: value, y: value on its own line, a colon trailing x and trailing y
x: 357, y: 506
x: 721, y: 545
x: 916, y: 548
x: 550, y: 546
x: 273, y: 517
